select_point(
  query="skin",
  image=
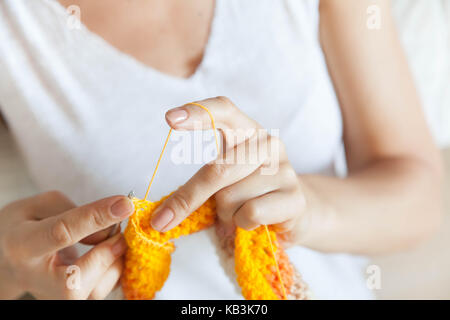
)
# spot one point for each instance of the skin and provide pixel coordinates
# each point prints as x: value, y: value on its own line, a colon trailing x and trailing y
x: 390, y: 200
x: 167, y: 35
x: 37, y: 238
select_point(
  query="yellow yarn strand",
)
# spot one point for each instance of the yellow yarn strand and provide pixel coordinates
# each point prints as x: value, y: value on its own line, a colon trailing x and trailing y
x: 276, y: 262
x: 157, y: 164
x: 213, y: 124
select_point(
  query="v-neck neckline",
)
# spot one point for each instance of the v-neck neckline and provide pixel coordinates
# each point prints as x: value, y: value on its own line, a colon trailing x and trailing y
x: 128, y: 58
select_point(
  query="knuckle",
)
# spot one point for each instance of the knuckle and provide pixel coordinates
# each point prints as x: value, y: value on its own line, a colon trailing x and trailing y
x: 224, y: 197
x: 226, y: 102
x: 53, y: 195
x: 100, y: 259
x: 60, y: 233
x: 216, y: 172
x: 104, y: 259
x: 288, y: 175
x: 181, y: 201
x: 98, y: 218
x: 252, y: 212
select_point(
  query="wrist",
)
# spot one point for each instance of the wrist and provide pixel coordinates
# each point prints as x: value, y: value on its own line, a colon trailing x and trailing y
x: 318, y: 219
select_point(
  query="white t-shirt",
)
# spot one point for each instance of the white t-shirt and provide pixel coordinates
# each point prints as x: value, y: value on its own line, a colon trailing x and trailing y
x: 89, y: 120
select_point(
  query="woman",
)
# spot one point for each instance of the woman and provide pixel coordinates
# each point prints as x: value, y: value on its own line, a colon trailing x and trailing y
x: 86, y: 107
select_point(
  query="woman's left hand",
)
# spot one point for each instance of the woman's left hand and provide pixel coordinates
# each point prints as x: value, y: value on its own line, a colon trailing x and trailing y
x: 252, y: 179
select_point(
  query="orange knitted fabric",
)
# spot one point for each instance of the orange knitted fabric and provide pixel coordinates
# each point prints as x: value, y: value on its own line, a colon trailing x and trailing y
x: 148, y: 258
x: 255, y: 267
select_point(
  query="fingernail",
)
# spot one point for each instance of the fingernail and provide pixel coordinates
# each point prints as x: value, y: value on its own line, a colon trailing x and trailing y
x: 177, y: 115
x: 119, y: 247
x: 162, y: 219
x: 122, y: 208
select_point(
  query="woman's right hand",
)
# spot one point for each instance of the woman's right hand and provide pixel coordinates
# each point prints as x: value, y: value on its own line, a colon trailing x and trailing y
x: 37, y: 253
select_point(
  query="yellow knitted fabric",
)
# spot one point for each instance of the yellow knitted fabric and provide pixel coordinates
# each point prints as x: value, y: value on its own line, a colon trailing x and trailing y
x: 255, y: 267
x: 148, y: 258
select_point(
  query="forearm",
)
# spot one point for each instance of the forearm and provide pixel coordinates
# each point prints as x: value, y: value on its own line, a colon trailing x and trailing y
x: 390, y: 205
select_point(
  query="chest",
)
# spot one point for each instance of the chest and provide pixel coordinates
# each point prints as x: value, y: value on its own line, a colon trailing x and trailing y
x: 169, y: 36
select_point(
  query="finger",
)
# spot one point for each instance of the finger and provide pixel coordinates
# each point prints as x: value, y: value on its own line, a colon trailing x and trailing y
x: 96, y: 262
x: 55, y: 233
x: 101, y: 235
x: 231, y: 198
x: 50, y: 204
x: 45, y: 205
x: 235, y: 126
x: 67, y: 256
x: 273, y: 208
x: 206, y: 182
x: 108, y: 281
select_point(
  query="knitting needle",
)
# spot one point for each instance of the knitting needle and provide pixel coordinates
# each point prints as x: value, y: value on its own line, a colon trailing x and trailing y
x: 116, y: 227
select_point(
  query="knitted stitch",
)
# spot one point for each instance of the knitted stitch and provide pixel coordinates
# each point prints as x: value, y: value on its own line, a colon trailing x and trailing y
x: 255, y: 267
x: 147, y: 262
